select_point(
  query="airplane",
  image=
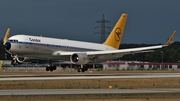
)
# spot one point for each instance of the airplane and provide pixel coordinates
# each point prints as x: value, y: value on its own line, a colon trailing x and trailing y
x: 27, y: 47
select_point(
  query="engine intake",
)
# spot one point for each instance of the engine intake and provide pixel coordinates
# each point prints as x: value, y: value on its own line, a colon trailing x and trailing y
x: 23, y: 59
x: 79, y: 58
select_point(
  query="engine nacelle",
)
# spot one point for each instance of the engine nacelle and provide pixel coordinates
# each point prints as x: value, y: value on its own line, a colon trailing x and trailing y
x: 79, y: 58
x: 23, y: 59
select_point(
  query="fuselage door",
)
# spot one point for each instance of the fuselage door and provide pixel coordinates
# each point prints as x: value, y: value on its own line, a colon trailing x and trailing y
x: 67, y: 48
x: 26, y: 43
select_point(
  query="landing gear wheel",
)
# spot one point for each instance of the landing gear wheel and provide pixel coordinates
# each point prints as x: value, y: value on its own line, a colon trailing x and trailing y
x: 79, y: 69
x: 54, y: 67
x: 51, y: 69
x: 82, y: 70
x: 47, y: 68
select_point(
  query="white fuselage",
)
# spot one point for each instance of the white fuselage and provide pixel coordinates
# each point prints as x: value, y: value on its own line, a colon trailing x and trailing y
x: 43, y: 47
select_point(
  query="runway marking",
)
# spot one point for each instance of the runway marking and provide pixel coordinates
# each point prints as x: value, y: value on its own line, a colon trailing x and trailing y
x: 89, y: 77
x: 86, y: 91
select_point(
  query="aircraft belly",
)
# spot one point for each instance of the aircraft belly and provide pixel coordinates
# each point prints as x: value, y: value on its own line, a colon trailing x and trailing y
x: 38, y: 52
x: 30, y: 50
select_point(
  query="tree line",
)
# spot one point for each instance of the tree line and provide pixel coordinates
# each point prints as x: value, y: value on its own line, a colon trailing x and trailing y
x: 166, y: 54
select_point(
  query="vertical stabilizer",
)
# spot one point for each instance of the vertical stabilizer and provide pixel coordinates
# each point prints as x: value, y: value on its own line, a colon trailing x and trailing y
x: 114, y: 39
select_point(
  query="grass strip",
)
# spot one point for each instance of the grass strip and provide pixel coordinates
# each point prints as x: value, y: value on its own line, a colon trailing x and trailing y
x: 93, y: 84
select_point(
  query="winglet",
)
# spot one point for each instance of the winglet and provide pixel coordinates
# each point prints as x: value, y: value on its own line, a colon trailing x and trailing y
x: 171, y: 39
x: 6, y: 37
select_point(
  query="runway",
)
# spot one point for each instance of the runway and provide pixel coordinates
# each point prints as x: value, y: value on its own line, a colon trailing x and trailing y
x: 86, y: 91
x: 87, y: 76
x: 94, y: 76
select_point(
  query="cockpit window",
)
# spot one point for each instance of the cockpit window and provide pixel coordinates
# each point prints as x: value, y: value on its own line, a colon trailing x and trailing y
x: 13, y: 40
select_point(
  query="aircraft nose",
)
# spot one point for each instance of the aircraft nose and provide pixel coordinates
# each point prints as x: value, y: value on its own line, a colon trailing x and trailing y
x: 7, y: 45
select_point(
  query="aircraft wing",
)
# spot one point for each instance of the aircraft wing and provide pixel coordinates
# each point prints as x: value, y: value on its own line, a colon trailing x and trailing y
x: 124, y: 51
x: 97, y: 56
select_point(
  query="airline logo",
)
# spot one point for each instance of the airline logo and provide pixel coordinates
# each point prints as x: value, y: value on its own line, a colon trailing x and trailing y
x: 34, y: 40
x: 118, y: 34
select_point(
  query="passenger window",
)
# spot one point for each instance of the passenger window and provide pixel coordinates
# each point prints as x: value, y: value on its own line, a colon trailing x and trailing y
x: 13, y: 40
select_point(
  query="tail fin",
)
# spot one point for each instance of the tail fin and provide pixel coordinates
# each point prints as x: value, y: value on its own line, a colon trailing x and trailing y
x: 116, y: 34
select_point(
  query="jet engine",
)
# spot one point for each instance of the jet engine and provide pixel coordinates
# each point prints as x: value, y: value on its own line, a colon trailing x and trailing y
x: 79, y: 58
x: 23, y: 59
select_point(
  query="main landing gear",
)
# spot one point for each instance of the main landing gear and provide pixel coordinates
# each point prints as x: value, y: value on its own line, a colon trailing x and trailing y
x: 14, y: 61
x: 82, y: 68
x: 50, y: 68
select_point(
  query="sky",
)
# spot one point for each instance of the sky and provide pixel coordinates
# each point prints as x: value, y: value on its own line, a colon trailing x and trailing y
x: 149, y: 21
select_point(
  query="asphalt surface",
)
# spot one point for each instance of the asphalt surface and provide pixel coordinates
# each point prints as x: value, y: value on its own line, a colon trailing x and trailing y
x: 86, y: 91
x: 90, y: 76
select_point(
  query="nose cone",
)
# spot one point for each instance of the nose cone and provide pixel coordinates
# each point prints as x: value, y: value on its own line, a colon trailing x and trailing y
x: 7, y: 45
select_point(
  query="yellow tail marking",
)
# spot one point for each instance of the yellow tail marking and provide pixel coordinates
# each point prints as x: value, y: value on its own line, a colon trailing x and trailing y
x: 6, y: 37
x: 116, y: 34
x: 171, y: 39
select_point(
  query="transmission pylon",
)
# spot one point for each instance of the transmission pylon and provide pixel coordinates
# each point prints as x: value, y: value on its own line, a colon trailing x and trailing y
x: 103, y: 27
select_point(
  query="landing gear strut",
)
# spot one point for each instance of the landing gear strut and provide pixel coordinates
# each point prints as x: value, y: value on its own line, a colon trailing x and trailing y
x: 14, y: 61
x: 82, y: 68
